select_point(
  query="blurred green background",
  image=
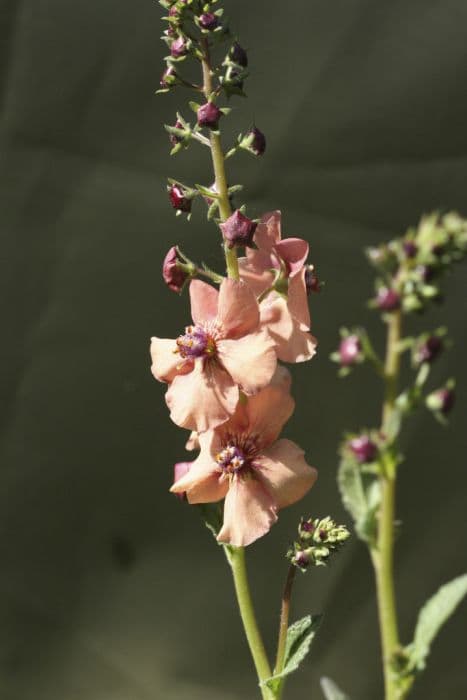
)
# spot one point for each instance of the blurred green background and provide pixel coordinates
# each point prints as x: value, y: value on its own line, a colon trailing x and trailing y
x: 111, y: 589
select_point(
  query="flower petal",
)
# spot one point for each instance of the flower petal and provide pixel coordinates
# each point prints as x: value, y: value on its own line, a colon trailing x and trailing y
x: 238, y: 311
x: 298, y: 300
x: 268, y: 231
x: 268, y: 411
x: 249, y: 512
x: 166, y: 363
x: 204, y: 300
x: 202, y: 399
x: 202, y: 482
x: 283, y: 470
x: 251, y: 361
x: 293, y: 343
x: 255, y: 270
x: 294, y: 252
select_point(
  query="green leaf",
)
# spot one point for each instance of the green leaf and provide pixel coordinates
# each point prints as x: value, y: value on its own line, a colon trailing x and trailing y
x: 361, y: 495
x: 299, y: 638
x: 432, y: 617
x: 331, y: 691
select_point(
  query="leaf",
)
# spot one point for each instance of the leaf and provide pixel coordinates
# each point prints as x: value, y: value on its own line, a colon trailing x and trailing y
x: 299, y: 638
x: 432, y: 617
x: 361, y: 495
x: 331, y: 691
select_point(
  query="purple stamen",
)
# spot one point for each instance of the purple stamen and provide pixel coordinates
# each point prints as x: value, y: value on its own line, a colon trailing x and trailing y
x: 231, y: 459
x: 194, y: 343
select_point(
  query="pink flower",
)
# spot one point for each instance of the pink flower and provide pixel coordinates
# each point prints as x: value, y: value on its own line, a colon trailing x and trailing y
x: 285, y: 311
x: 224, y: 351
x: 243, y: 461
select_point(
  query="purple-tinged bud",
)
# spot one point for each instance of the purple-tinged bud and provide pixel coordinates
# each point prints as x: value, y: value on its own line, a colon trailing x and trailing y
x: 209, y: 115
x: 238, y: 55
x: 410, y: 249
x: 302, y: 560
x: 364, y: 449
x: 350, y: 350
x: 173, y: 138
x: 257, y: 141
x: 429, y: 350
x: 312, y: 282
x: 174, y: 11
x: 179, y: 199
x: 180, y: 469
x: 441, y: 400
x: 238, y: 230
x: 178, y: 47
x: 172, y: 272
x: 388, y: 299
x: 438, y: 249
x: 209, y: 20
x: 425, y: 272
x: 168, y: 78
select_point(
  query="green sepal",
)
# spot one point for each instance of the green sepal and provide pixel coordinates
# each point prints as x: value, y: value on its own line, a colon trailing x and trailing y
x: 234, y: 189
x: 299, y: 638
x: 212, y: 210
x: 194, y: 106
x: 436, y: 611
x: 206, y: 192
x: 331, y: 690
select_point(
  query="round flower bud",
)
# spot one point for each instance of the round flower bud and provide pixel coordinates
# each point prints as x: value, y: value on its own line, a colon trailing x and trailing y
x: 350, y: 350
x: 173, y: 273
x: 208, y: 115
x: 302, y: 559
x: 238, y: 230
x: 410, y: 249
x: 364, y: 449
x: 425, y: 272
x: 208, y: 20
x: 388, y: 299
x: 429, y: 350
x: 168, y: 78
x: 256, y: 141
x: 178, y: 47
x: 312, y: 282
x: 238, y: 55
x: 174, y: 138
x: 441, y: 400
x: 179, y: 199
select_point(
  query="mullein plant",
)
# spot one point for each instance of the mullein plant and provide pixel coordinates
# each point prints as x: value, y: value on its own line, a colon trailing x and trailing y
x: 409, y: 277
x: 226, y: 383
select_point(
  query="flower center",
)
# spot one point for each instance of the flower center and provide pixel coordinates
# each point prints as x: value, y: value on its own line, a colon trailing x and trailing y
x: 195, y: 342
x: 231, y: 459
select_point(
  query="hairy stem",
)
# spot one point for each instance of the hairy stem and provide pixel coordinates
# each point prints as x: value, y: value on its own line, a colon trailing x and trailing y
x: 383, y: 556
x: 218, y: 162
x: 236, y: 558
x: 284, y: 623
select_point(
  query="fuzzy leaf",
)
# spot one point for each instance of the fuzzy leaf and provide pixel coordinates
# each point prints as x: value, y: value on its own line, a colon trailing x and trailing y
x: 331, y: 691
x: 432, y: 617
x: 299, y: 638
x: 361, y: 497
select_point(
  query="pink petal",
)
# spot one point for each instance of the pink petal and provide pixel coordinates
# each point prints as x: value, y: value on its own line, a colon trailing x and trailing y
x: 251, y: 361
x: 202, y: 399
x: 268, y: 411
x: 268, y: 231
x: 282, y: 378
x: 204, y: 300
x: 193, y: 441
x: 202, y: 482
x: 297, y: 300
x: 283, y: 470
x: 249, y: 512
x: 293, y: 343
x: 254, y: 270
x: 238, y: 311
x: 180, y: 469
x: 293, y: 251
x: 166, y: 363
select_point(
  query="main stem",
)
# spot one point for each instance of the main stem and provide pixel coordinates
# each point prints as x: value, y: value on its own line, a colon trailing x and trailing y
x: 383, y: 556
x: 236, y: 558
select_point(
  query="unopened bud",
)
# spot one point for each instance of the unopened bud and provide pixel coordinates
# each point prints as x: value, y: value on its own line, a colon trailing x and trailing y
x: 169, y: 78
x: 178, y: 47
x: 174, y: 270
x: 388, y: 299
x: 208, y: 115
x: 254, y: 141
x: 428, y: 350
x: 238, y: 55
x: 410, y: 249
x: 363, y: 449
x: 350, y: 351
x: 318, y: 540
x: 179, y: 198
x: 175, y: 138
x: 441, y: 401
x: 238, y: 230
x: 209, y: 20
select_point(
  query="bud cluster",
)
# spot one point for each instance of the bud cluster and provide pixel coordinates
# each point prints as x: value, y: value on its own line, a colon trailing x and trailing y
x: 318, y: 539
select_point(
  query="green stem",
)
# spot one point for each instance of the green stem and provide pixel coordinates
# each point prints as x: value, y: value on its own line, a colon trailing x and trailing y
x: 236, y: 558
x: 284, y: 625
x: 383, y: 556
x: 218, y: 162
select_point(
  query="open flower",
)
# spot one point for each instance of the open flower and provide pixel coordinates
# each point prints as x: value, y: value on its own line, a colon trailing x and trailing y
x: 284, y: 310
x: 243, y: 461
x: 224, y: 351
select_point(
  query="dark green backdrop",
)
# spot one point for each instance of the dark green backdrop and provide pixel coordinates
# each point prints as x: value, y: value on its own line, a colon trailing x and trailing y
x: 109, y: 588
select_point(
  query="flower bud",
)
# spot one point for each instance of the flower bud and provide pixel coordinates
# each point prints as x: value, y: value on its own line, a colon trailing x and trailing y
x: 350, y: 351
x: 208, y: 20
x: 238, y: 55
x: 428, y: 350
x: 238, y: 230
x: 178, y: 47
x: 174, y: 271
x: 410, y: 249
x: 312, y: 282
x: 441, y: 401
x: 363, y: 449
x: 425, y: 272
x: 388, y: 299
x: 306, y: 529
x: 318, y: 540
x: 208, y: 115
x: 254, y: 141
x: 169, y: 78
x: 179, y: 198
x: 175, y: 138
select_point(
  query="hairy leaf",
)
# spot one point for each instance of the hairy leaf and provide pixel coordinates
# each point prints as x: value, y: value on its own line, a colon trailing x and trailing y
x: 331, y: 691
